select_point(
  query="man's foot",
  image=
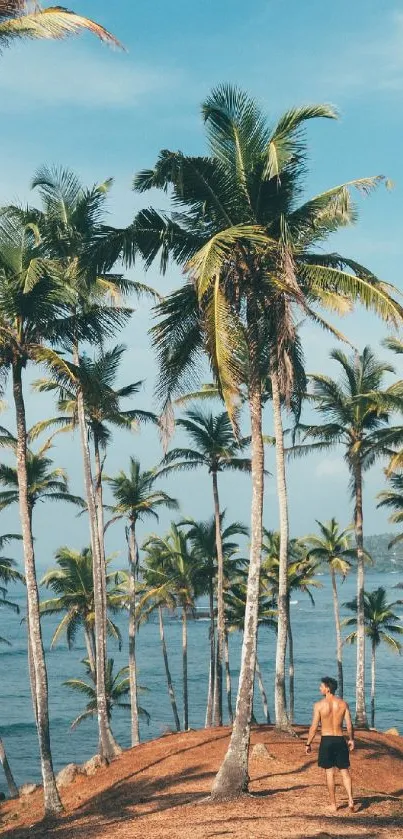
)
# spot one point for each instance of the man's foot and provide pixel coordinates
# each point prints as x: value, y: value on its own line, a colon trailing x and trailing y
x: 333, y: 808
x: 352, y: 807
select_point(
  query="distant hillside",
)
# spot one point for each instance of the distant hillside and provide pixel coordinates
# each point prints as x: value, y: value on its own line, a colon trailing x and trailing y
x: 385, y: 559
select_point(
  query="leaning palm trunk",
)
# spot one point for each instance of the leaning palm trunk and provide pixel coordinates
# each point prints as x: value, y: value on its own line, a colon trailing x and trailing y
x: 210, y: 694
x: 291, y: 667
x: 41, y: 707
x: 232, y: 778
x: 373, y: 663
x: 12, y: 786
x: 217, y: 712
x: 185, y: 670
x: 228, y: 679
x: 171, y: 690
x: 101, y: 529
x: 107, y: 745
x: 135, y: 730
x: 263, y: 693
x: 282, y: 720
x: 339, y: 640
x: 361, y: 720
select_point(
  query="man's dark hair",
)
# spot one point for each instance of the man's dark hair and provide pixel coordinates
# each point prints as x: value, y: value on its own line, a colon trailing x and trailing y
x: 330, y: 683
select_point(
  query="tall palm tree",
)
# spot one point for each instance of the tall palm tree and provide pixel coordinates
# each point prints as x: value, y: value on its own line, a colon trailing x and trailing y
x: 300, y: 577
x: 136, y: 498
x: 179, y: 576
x: 202, y: 536
x: 33, y: 316
x: 72, y: 583
x: 117, y: 688
x: 356, y: 413
x: 333, y: 548
x: 381, y: 624
x: 214, y: 448
x: 68, y: 222
x: 19, y: 20
x: 251, y: 253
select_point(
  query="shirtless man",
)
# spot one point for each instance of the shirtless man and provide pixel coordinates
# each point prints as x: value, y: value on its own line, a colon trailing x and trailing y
x: 330, y: 713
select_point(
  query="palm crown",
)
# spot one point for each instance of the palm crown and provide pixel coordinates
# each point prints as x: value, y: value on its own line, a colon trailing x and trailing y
x: 17, y: 20
x: 333, y: 546
x: 381, y: 623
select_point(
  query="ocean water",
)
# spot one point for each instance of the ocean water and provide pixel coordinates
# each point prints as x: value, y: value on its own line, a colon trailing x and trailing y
x: 314, y: 645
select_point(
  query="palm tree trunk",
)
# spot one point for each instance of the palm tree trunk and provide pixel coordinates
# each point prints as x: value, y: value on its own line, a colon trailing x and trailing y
x: 361, y: 720
x: 135, y: 730
x: 339, y: 640
x: 210, y: 695
x: 228, y: 679
x: 185, y: 670
x: 291, y: 667
x: 263, y: 694
x: 232, y: 778
x: 217, y: 713
x: 282, y: 721
x: 107, y: 745
x: 53, y: 804
x: 373, y: 654
x: 101, y: 530
x: 90, y: 650
x: 12, y: 786
x: 171, y: 690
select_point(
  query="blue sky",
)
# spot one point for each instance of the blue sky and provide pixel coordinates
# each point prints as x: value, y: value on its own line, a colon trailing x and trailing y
x: 107, y: 113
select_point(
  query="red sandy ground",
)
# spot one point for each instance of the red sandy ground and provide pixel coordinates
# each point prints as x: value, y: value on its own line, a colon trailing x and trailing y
x: 156, y: 790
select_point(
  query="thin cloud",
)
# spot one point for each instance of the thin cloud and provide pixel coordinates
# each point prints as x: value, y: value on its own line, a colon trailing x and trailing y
x: 331, y: 468
x: 57, y: 76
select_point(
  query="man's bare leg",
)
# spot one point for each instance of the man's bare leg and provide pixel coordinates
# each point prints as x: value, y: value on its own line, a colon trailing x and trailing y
x: 346, y: 778
x: 331, y: 789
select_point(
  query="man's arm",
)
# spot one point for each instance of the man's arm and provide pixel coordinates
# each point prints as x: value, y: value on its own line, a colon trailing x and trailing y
x: 314, y: 727
x: 350, y: 729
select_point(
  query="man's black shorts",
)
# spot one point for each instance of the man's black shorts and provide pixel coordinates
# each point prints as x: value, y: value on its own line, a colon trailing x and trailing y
x: 333, y: 751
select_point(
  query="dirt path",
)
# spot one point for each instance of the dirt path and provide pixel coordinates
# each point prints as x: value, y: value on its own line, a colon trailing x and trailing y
x: 151, y: 793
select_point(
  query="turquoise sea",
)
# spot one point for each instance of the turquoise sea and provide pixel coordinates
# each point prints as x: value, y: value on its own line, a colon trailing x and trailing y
x: 314, y: 657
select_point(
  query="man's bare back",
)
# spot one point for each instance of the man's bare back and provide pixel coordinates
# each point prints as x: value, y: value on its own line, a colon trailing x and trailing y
x: 332, y: 711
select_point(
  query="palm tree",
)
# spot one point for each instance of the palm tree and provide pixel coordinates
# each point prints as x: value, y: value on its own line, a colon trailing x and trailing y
x: 33, y: 314
x: 356, y: 414
x: 235, y: 603
x: 117, y: 688
x: 393, y: 499
x: 69, y: 221
x: 215, y: 449
x: 300, y: 577
x: 18, y: 21
x: 202, y: 536
x: 380, y: 625
x: 72, y: 583
x: 180, y: 578
x: 334, y: 549
x: 136, y: 499
x: 162, y: 597
x: 250, y: 251
x: 44, y: 483
x: 8, y: 573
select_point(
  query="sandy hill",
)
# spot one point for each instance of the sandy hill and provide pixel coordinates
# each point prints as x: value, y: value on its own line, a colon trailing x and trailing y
x: 157, y: 790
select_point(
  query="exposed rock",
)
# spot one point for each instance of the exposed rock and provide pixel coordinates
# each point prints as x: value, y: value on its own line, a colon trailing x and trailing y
x: 260, y: 751
x: 91, y: 766
x: 393, y: 731
x: 28, y: 789
x: 67, y: 774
